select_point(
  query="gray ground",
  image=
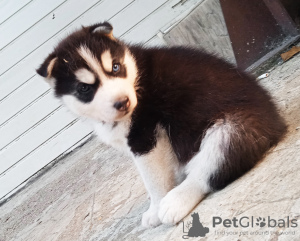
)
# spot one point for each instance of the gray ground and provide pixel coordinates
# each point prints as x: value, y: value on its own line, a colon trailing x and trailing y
x: 96, y: 194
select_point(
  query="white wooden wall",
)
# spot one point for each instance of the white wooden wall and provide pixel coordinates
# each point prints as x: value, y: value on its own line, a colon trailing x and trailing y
x: 34, y: 128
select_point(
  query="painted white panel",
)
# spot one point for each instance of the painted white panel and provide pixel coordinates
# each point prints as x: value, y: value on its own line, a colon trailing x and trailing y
x: 9, y: 7
x: 133, y: 14
x: 26, y: 17
x: 147, y: 28
x: 155, y: 41
x: 22, y: 97
x: 42, y: 156
x: 25, y: 120
x: 40, y: 33
x: 24, y: 70
x: 33, y: 139
x: 64, y: 15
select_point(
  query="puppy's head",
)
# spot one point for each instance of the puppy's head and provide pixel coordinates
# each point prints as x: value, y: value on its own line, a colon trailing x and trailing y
x: 93, y: 73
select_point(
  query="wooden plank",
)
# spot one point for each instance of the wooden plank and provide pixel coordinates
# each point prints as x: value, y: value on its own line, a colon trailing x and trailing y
x: 41, y: 32
x: 24, y: 69
x: 20, y: 22
x: 133, y: 14
x: 46, y: 29
x: 8, y: 8
x: 28, y: 119
x: 156, y: 41
x: 42, y: 156
x: 34, y: 138
x: 147, y: 28
x: 19, y: 99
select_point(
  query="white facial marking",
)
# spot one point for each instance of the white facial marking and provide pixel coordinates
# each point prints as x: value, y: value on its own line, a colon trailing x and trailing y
x: 85, y: 76
x: 107, y: 60
x: 91, y: 60
x: 131, y: 68
x: 111, y: 89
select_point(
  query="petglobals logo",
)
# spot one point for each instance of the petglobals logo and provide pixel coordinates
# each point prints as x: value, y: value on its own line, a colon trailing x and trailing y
x: 246, y: 222
x: 195, y: 228
x: 239, y: 226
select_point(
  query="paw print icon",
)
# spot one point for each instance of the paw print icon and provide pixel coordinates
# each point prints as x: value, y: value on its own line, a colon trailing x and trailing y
x: 261, y: 222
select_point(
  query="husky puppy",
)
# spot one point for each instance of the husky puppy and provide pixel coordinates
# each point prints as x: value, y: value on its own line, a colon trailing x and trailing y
x: 192, y: 122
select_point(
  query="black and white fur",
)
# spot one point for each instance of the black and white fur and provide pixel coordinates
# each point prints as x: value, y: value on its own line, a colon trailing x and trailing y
x: 192, y: 122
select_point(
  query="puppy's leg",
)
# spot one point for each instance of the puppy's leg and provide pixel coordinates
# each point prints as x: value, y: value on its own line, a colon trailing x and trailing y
x: 183, y: 198
x: 158, y: 169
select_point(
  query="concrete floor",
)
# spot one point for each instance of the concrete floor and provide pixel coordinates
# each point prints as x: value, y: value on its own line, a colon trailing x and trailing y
x: 95, y: 193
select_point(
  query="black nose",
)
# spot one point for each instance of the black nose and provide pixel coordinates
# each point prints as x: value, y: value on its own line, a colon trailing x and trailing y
x: 122, y: 104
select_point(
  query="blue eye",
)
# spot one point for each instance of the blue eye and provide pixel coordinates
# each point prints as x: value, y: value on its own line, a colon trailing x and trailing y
x: 116, y: 67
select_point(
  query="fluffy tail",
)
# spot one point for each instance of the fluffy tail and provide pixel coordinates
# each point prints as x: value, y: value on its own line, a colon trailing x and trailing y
x: 251, y: 136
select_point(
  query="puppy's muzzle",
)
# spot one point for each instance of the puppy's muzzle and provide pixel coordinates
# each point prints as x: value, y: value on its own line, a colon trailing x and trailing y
x: 122, y: 104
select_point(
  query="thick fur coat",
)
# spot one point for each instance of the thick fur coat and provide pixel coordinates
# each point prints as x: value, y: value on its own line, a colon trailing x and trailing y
x: 192, y: 122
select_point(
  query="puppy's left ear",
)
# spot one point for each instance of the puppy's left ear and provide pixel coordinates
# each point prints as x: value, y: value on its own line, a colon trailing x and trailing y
x: 46, y: 68
x: 103, y: 28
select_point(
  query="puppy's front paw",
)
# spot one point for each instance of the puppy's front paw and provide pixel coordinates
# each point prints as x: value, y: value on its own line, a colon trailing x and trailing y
x: 176, y: 205
x: 150, y: 219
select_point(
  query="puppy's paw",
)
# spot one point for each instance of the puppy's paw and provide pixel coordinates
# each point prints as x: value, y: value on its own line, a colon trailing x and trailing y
x: 150, y: 219
x: 172, y: 209
x: 176, y: 205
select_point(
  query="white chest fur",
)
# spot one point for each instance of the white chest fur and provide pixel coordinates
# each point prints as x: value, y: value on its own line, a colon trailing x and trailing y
x: 114, y: 135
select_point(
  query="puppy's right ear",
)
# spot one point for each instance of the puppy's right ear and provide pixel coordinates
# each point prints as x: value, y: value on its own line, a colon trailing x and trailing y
x: 104, y: 28
x: 46, y: 68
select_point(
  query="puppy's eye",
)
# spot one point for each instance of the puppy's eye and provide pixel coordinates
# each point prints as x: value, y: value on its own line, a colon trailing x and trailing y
x: 83, y: 88
x: 116, y: 68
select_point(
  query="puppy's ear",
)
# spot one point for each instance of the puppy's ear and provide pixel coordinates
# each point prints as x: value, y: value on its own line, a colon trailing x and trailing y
x: 103, y: 28
x: 46, y: 68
